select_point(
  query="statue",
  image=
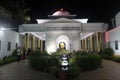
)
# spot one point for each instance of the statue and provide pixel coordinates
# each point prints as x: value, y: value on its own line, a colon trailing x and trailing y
x: 62, y: 45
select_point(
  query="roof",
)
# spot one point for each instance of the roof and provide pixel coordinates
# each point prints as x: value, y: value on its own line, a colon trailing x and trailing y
x: 61, y: 13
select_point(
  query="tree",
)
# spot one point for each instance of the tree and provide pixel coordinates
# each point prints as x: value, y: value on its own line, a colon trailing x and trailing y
x: 18, y: 10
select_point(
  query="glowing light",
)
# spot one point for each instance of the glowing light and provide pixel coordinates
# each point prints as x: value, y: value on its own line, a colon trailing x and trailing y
x: 2, y: 29
x: 81, y: 20
x: 1, y: 32
x: 40, y: 21
x: 65, y: 39
x: 51, y: 48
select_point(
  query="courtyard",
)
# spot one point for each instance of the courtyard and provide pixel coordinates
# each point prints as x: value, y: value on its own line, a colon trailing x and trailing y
x: 21, y: 71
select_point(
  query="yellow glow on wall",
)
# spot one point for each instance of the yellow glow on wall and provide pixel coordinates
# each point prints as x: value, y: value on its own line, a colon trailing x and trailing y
x: 26, y: 41
x: 91, y: 43
x: 85, y: 44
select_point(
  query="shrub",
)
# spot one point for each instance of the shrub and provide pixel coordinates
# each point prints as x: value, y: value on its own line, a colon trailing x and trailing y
x: 72, y: 72
x: 42, y: 61
x: 1, y: 62
x: 89, y: 61
x: 108, y: 52
x: 107, y: 57
x: 54, y: 70
x: 52, y: 61
x: 116, y: 58
x: 7, y: 60
x: 37, y: 62
x: 61, y: 52
x: 35, y: 53
x: 14, y: 52
x: 80, y: 52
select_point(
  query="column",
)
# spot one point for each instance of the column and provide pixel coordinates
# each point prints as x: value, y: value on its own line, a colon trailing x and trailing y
x: 99, y: 41
x: 41, y: 42
x: 91, y: 43
x: 26, y: 41
x: 33, y: 43
x: 81, y: 44
x: 85, y: 44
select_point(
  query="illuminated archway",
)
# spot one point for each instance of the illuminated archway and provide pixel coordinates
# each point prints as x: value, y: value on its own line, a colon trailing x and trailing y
x: 64, y: 40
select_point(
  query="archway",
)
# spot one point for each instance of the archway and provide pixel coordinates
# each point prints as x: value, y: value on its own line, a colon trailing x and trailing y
x: 64, y: 41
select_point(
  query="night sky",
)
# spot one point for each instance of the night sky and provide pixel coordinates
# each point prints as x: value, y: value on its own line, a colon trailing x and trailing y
x: 94, y: 10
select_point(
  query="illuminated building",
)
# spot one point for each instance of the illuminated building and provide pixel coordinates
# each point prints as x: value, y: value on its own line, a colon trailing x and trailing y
x: 61, y: 26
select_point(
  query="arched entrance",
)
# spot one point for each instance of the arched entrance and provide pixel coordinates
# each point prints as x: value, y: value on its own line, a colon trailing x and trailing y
x: 63, y: 42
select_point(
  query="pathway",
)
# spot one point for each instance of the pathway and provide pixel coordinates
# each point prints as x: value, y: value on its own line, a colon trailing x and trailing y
x: 21, y: 71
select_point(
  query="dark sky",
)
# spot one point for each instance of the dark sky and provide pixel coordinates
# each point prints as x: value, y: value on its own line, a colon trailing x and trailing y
x: 94, y: 10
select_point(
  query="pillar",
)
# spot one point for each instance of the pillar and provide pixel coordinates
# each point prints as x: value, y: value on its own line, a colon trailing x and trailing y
x: 38, y: 45
x: 98, y: 41
x: 85, y: 44
x: 97, y: 46
x: 33, y: 43
x: 41, y: 44
x: 81, y: 44
x: 91, y: 43
x: 26, y: 41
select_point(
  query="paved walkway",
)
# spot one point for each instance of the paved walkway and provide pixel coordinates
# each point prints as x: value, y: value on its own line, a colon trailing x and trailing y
x: 109, y: 71
x: 21, y: 71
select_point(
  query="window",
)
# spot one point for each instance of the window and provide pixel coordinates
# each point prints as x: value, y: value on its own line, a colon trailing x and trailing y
x: 116, y: 45
x: 0, y: 45
x: 9, y: 46
x: 81, y: 44
x: 16, y: 46
x: 108, y: 44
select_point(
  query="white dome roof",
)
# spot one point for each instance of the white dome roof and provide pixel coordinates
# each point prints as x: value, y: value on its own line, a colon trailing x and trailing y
x: 60, y: 13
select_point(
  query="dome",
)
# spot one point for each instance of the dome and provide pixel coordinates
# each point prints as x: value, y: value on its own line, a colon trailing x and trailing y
x: 60, y: 13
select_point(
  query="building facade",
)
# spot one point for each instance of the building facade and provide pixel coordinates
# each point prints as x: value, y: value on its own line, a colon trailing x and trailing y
x: 75, y: 34
x: 9, y: 39
x: 61, y: 30
x: 112, y: 36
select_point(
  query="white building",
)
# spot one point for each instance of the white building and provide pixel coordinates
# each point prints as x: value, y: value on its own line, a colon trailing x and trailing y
x: 49, y: 34
x: 9, y: 39
x: 76, y: 34
x: 113, y: 37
